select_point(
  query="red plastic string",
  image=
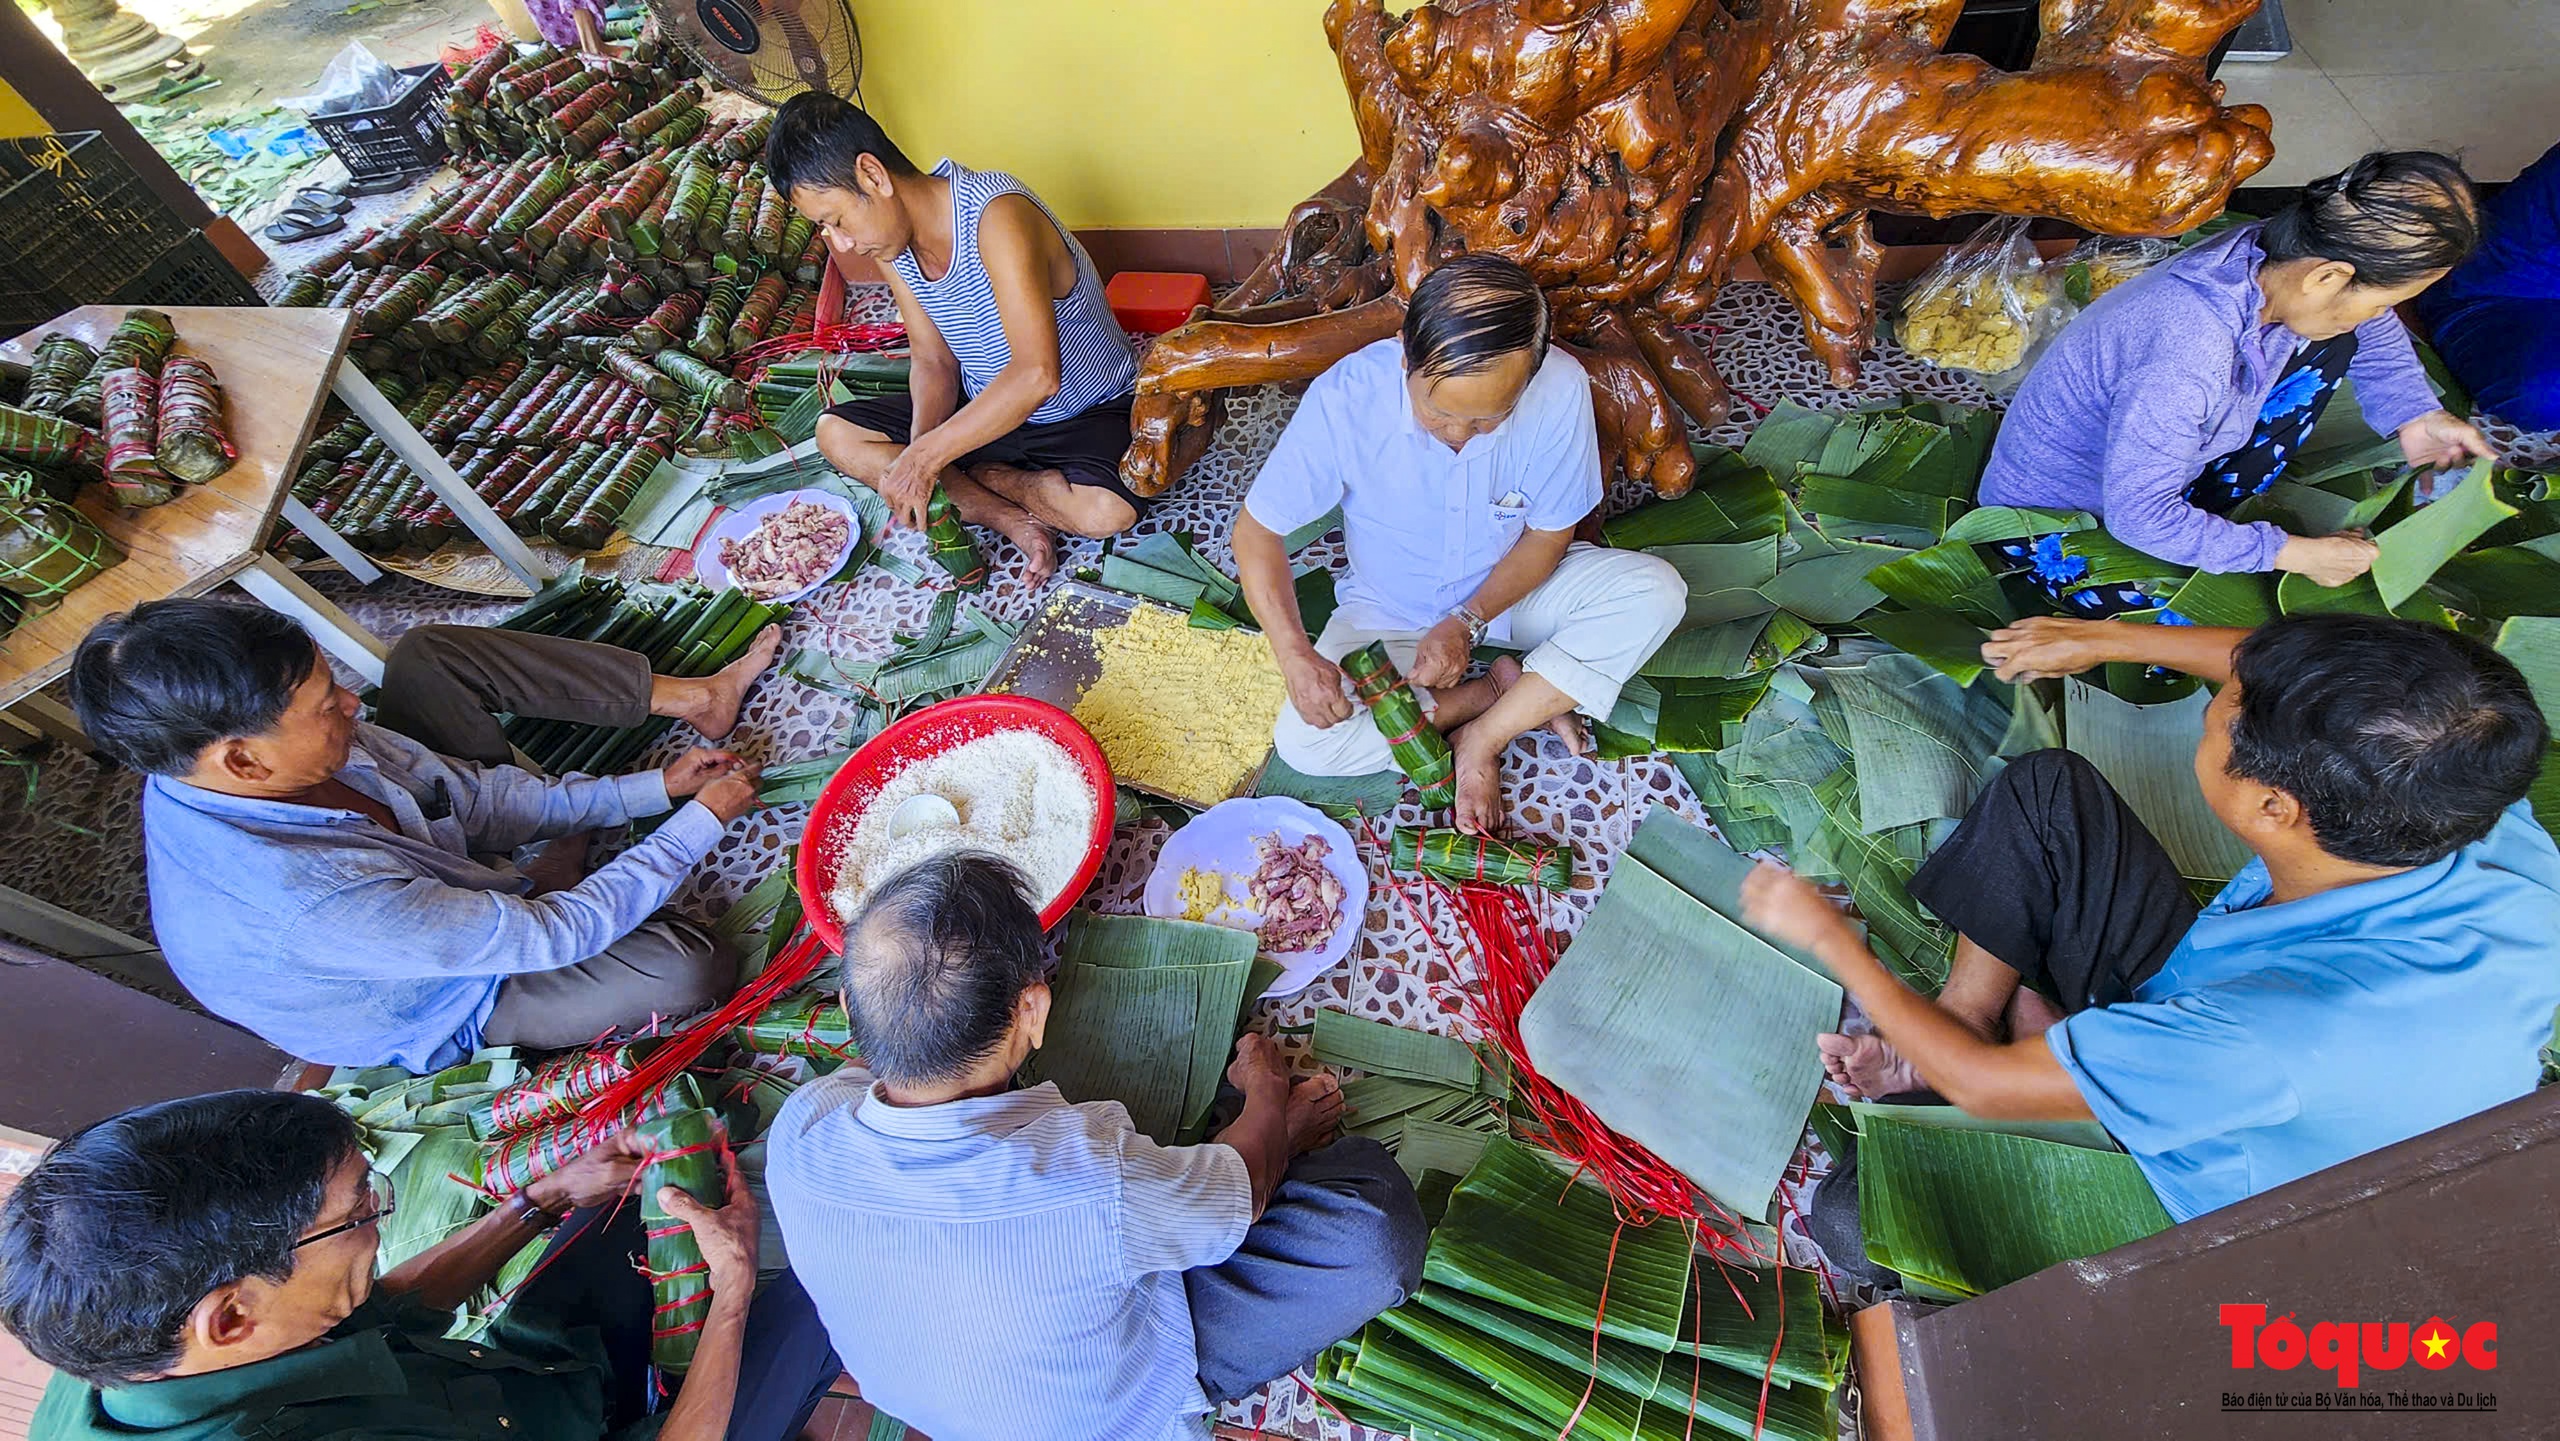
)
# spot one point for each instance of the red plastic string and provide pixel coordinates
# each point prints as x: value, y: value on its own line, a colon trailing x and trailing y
x: 1599, y: 1318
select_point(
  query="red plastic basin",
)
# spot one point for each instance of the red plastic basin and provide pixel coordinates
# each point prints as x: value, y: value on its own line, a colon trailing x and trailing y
x: 930, y: 732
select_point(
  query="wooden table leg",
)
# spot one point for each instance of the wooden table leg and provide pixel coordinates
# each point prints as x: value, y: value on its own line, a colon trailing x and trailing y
x: 50, y: 717
x: 404, y: 441
x: 332, y: 544
x: 280, y: 590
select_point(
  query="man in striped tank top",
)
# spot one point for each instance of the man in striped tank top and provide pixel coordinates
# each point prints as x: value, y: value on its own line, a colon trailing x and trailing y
x: 1019, y: 399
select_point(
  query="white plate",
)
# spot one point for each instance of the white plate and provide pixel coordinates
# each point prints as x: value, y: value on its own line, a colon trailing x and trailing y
x: 735, y: 524
x: 1221, y: 839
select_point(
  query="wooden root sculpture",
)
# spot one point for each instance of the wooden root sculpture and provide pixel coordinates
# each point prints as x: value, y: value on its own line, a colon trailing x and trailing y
x: 1631, y: 152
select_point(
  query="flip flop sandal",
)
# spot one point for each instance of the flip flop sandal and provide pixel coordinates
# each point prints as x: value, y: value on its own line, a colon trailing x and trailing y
x: 384, y: 184
x: 299, y: 224
x: 320, y: 197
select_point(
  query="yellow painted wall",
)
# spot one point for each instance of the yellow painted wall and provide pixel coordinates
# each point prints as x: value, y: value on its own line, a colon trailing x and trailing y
x: 1121, y: 113
x: 17, y: 117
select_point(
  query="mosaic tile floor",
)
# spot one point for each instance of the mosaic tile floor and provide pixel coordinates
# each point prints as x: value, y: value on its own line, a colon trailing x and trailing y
x: 72, y: 835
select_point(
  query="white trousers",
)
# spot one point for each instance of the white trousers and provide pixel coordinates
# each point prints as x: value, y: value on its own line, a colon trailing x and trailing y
x: 1586, y: 629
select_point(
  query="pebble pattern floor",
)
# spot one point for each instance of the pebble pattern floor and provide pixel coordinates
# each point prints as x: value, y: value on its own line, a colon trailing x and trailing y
x: 69, y: 829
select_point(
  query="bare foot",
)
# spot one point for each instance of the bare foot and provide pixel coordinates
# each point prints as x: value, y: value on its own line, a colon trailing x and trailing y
x: 1039, y: 546
x: 1866, y: 1067
x: 1568, y: 727
x: 1479, y: 790
x: 714, y: 709
x: 1315, y: 1112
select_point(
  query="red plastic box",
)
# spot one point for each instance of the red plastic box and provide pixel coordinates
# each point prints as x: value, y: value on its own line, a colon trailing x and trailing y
x: 1155, y: 301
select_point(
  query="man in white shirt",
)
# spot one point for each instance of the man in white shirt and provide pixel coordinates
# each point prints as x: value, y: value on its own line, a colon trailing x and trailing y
x: 1462, y: 454
x: 999, y: 1265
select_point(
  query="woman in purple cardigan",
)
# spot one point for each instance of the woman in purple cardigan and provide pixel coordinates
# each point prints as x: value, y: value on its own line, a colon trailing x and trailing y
x: 2183, y: 392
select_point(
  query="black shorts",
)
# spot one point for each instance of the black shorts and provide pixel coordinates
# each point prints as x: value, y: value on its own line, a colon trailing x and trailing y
x: 1085, y: 448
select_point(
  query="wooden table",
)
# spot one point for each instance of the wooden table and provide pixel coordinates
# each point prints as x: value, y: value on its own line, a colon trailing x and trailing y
x: 276, y: 367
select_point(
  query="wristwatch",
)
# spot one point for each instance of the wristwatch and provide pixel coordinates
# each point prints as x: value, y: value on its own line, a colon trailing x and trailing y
x: 1476, y: 625
x: 526, y: 1212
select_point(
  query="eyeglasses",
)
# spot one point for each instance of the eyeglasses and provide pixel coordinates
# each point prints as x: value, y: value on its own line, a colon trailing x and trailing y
x: 378, y: 1187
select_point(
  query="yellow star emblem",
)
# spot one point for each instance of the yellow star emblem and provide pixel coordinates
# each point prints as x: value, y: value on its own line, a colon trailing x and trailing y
x: 2435, y: 1342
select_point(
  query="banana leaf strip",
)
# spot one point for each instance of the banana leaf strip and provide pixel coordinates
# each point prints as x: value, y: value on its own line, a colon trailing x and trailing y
x: 1731, y: 500
x: 1346, y: 1040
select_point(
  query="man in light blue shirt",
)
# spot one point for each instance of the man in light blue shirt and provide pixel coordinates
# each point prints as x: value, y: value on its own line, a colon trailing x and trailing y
x: 342, y: 889
x: 1000, y: 1265
x: 2388, y: 964
x: 1463, y: 454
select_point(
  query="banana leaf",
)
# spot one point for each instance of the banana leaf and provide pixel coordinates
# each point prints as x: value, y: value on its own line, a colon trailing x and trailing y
x: 2499, y: 584
x: 762, y: 900
x: 1724, y: 579
x: 1686, y: 1033
x: 1832, y: 589
x: 1341, y: 1039
x: 2112, y: 562
x: 685, y: 1148
x: 1145, y: 1014
x: 1423, y: 1144
x: 1965, y: 1211
x: 1522, y: 1232
x: 1731, y: 500
x: 1122, y: 572
x: 436, y: 1180
x: 1950, y: 643
x: 1744, y: 828
x: 1924, y: 745
x: 1706, y: 869
x: 1790, y: 437
x: 1313, y: 531
x: 1729, y: 1391
x: 1854, y: 500
x: 1316, y: 601
x: 1723, y: 649
x: 800, y: 781
x: 1337, y: 796
x: 2235, y: 598
x: 1553, y: 1391
x: 2533, y: 643
x: 2148, y: 754
x: 810, y: 1024
x: 1381, y: 1107
x: 2417, y: 547
x: 1737, y: 1318
x: 2017, y: 522
x: 1413, y: 1383
x: 1694, y: 713
x: 1949, y: 576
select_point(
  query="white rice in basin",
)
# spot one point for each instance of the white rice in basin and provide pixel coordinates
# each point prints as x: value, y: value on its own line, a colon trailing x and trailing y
x: 1020, y: 796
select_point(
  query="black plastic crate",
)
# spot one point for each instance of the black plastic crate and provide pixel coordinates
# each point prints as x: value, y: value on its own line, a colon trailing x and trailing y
x: 191, y: 274
x: 401, y: 138
x: 75, y: 223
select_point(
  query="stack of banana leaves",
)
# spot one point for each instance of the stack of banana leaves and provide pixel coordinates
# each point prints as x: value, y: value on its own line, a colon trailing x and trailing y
x: 1826, y: 696
x: 952, y: 656
x: 684, y: 629
x: 1540, y: 1311
x: 1169, y: 567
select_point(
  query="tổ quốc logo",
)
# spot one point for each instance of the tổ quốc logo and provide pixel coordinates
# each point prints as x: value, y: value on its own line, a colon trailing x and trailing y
x: 2430, y: 1365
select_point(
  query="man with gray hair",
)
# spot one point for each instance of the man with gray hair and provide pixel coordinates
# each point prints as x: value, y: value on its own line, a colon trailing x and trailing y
x: 1072, y: 1278
x: 1462, y: 456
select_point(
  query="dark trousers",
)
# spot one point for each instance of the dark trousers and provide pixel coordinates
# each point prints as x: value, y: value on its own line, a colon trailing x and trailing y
x: 1341, y: 1241
x: 587, y: 1279
x: 443, y: 686
x: 2055, y: 876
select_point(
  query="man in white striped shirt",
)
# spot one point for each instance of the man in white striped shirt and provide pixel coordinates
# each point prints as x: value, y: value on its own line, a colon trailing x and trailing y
x: 1001, y: 1265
